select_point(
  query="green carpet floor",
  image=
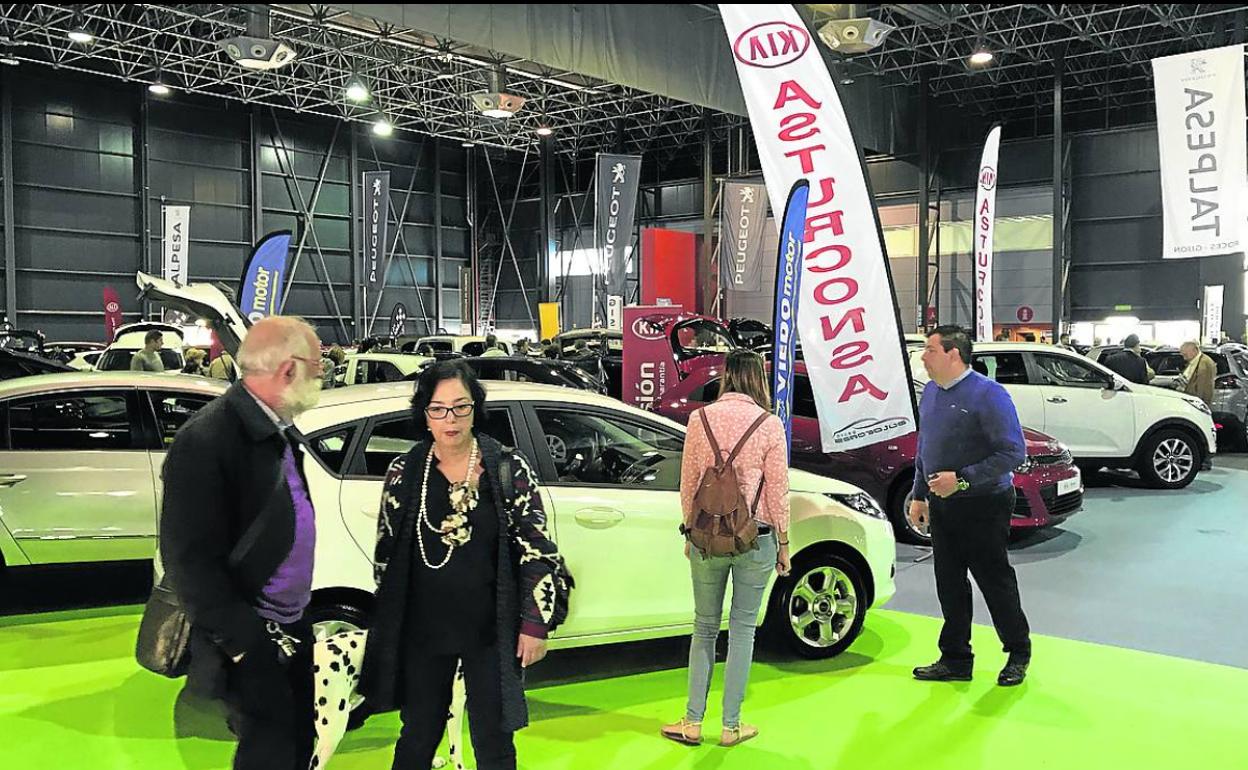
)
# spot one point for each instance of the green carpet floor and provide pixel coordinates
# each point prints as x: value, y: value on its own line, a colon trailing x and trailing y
x: 71, y: 697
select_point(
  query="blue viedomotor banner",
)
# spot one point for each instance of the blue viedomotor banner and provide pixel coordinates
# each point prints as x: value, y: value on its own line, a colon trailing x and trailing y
x: 788, y: 292
x: 260, y: 289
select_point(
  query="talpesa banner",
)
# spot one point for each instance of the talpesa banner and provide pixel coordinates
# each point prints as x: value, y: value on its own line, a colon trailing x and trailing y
x: 985, y: 215
x: 847, y: 314
x: 649, y: 367
x: 175, y: 235
x: 788, y: 292
x: 260, y: 289
x: 741, y: 236
x: 1204, y: 170
x: 619, y: 179
x: 376, y: 223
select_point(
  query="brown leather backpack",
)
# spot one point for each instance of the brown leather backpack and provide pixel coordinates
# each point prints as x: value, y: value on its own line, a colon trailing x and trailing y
x: 723, y: 523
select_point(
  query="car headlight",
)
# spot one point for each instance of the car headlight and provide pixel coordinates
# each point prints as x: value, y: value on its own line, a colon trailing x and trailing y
x: 860, y: 502
x: 1198, y: 404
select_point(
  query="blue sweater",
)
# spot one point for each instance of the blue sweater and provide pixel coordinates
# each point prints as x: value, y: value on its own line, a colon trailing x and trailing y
x: 971, y: 429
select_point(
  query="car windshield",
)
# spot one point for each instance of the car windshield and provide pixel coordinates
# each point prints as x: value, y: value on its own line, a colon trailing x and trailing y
x: 702, y: 337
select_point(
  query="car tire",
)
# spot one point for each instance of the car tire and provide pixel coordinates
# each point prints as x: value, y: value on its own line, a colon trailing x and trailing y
x: 335, y: 617
x: 899, y: 512
x: 1169, y: 459
x: 832, y: 582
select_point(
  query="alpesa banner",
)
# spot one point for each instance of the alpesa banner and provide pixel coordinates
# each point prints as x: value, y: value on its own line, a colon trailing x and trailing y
x: 788, y: 295
x: 985, y: 216
x: 847, y: 315
x: 260, y: 289
x: 175, y: 237
x: 1204, y: 152
x: 649, y: 367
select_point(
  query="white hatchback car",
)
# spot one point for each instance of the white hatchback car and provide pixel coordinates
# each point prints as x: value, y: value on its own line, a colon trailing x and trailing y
x: 80, y: 459
x: 610, y: 478
x: 373, y: 368
x: 1106, y: 421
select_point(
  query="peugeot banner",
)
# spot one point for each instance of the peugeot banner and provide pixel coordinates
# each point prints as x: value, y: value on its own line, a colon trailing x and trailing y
x: 649, y: 367
x: 788, y: 295
x: 743, y: 215
x: 847, y: 316
x: 985, y: 215
x: 398, y: 320
x: 260, y: 289
x: 619, y: 179
x: 175, y: 236
x: 1204, y: 152
x: 376, y: 223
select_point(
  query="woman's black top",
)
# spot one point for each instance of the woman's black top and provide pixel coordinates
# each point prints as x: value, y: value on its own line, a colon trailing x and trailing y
x: 453, y: 609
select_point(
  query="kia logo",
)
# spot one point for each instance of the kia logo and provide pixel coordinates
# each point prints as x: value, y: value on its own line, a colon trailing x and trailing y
x: 647, y: 330
x: 112, y: 307
x: 771, y: 44
x: 987, y: 177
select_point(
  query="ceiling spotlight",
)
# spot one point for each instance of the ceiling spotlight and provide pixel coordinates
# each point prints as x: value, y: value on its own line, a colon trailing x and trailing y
x: 467, y: 143
x: 81, y: 36
x: 8, y: 59
x: 545, y: 131
x: 383, y: 127
x: 356, y: 90
x: 981, y: 57
x: 159, y: 89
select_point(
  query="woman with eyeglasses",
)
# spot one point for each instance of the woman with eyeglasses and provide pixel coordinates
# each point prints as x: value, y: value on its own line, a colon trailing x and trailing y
x: 463, y: 567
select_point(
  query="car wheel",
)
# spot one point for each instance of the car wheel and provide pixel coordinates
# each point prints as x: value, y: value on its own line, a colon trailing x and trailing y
x: 900, y: 513
x: 336, y: 618
x: 818, y: 610
x: 1170, y: 459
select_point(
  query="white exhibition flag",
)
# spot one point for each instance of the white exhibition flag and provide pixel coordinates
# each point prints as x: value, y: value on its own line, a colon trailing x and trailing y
x: 985, y: 215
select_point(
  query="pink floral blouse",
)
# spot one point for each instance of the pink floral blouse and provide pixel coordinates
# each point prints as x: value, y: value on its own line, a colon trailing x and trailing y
x: 763, y: 458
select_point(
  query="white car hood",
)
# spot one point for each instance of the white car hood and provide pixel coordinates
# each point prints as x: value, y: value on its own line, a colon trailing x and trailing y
x: 803, y: 481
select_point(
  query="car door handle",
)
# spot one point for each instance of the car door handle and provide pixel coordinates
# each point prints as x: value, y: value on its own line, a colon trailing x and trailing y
x: 599, y: 518
x: 1056, y: 400
x: 11, y: 479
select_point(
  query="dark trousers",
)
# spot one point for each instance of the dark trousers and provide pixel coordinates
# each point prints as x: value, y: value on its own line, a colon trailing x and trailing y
x: 973, y: 534
x: 427, y: 701
x: 270, y: 706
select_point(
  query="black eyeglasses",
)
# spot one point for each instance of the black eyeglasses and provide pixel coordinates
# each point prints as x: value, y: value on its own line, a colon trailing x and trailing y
x: 440, y: 412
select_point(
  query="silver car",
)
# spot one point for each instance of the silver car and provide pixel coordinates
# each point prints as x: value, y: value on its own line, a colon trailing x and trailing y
x: 80, y: 459
x: 1230, y: 388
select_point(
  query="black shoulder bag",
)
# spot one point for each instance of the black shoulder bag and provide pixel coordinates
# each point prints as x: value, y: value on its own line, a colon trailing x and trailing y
x: 562, y: 577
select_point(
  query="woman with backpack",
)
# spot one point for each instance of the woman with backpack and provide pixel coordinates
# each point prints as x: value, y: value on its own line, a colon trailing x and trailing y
x: 734, y: 489
x: 466, y: 575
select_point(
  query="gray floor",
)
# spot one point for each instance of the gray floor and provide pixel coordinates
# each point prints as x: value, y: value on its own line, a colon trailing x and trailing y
x: 1164, y: 572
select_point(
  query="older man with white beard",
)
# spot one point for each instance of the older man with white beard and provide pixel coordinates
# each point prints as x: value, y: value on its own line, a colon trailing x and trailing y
x: 237, y: 537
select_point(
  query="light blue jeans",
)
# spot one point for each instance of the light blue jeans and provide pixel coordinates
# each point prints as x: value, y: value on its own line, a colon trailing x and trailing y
x: 749, y: 573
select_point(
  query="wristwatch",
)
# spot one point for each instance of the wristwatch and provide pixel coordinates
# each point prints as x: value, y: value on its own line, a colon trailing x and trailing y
x: 963, y: 484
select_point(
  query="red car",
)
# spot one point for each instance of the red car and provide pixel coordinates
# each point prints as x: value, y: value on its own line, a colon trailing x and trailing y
x: 1049, y: 485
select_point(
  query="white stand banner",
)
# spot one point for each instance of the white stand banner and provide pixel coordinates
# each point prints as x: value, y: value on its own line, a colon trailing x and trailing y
x: 176, y: 222
x: 1204, y: 152
x: 985, y: 215
x: 847, y: 314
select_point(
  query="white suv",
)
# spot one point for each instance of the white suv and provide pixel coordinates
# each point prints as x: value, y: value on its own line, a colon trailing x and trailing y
x: 1106, y: 421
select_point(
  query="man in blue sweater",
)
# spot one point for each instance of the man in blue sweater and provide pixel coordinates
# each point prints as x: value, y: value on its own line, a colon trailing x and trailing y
x: 970, y: 442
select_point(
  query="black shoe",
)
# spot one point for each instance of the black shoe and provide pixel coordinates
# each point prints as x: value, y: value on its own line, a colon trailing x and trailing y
x: 1012, y: 675
x: 940, y: 671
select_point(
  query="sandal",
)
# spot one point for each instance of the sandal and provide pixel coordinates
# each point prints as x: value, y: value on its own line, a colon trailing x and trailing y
x: 684, y: 731
x: 739, y: 734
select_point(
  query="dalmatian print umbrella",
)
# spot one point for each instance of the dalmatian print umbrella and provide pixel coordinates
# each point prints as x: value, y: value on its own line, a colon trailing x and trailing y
x: 336, y: 665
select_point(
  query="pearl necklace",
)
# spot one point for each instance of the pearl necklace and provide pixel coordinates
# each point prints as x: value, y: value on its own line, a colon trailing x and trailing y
x: 455, y: 530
